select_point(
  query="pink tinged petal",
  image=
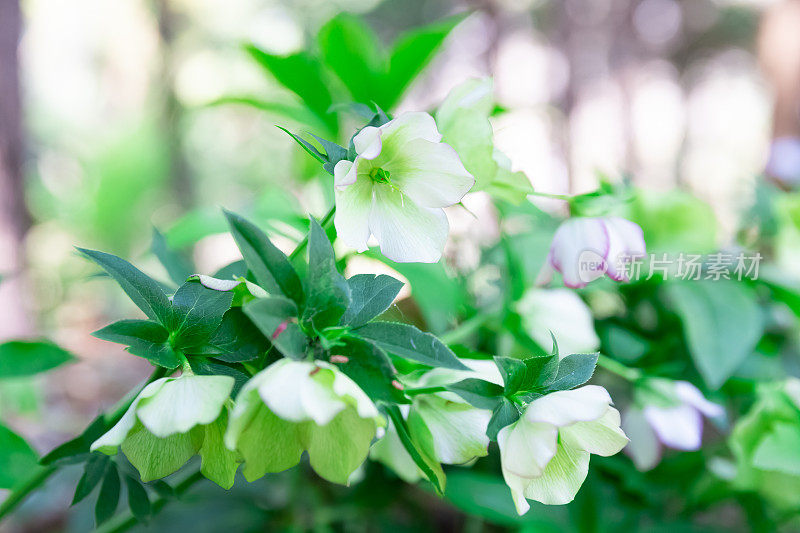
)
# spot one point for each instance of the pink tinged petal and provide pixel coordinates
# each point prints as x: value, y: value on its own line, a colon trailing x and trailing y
x: 563, y: 408
x: 562, y: 478
x: 626, y: 241
x: 430, y: 173
x: 678, y: 427
x: 545, y: 275
x: 600, y: 437
x: 368, y: 142
x: 407, y: 232
x: 644, y: 448
x: 691, y: 395
x: 345, y: 172
x: 579, y: 249
x: 353, y: 207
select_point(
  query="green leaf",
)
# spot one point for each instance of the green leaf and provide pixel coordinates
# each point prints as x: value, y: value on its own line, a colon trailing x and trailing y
x: 333, y: 153
x: 235, y: 340
x: 371, y: 369
x: 407, y: 341
x: 352, y: 50
x: 721, y: 322
x: 328, y: 291
x: 540, y: 370
x: 573, y: 370
x: 26, y: 358
x: 138, y: 501
x: 779, y: 451
x: 504, y: 414
x: 418, y: 445
x: 271, y: 268
x: 17, y: 459
x: 178, y: 267
x: 205, y: 367
x: 411, y: 53
x: 371, y: 295
x: 513, y: 372
x: 145, y: 292
x: 108, y: 500
x: 307, y: 146
x: 276, y: 318
x: 479, y: 393
x: 74, y: 450
x: 197, y: 314
x: 301, y: 74
x: 93, y: 472
x: 144, y: 338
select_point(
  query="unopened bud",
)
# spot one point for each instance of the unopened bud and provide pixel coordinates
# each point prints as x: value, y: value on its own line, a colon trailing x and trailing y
x: 339, y: 359
x: 397, y: 385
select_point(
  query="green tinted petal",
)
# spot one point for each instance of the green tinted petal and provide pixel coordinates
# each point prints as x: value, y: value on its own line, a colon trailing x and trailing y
x: 337, y: 449
x: 219, y: 464
x: 156, y: 458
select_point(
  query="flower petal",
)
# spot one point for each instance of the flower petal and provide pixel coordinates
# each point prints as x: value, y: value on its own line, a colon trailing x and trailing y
x: 563, y: 408
x: 458, y: 429
x: 353, y: 206
x: 626, y: 241
x: 601, y: 437
x: 562, y: 478
x: 579, y: 250
x: 690, y: 394
x: 405, y: 128
x: 390, y: 451
x: 368, y: 142
x: 184, y: 403
x: 564, y: 314
x: 678, y: 427
x: 280, y: 386
x: 406, y: 231
x: 526, y: 448
x: 345, y: 172
x: 644, y: 447
x: 338, y: 448
x: 431, y: 174
x: 156, y: 458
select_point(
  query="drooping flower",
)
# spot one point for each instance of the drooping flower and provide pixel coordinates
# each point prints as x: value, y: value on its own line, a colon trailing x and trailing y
x: 396, y: 187
x: 296, y: 406
x: 585, y: 248
x: 457, y: 429
x: 678, y: 424
x: 170, y: 421
x: 545, y: 454
x: 559, y: 313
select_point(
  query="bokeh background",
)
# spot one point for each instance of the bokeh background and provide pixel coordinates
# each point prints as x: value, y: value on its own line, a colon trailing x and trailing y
x: 111, y: 123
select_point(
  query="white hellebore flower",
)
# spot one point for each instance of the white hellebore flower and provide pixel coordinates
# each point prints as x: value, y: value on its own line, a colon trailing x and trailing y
x: 456, y: 429
x: 396, y: 187
x: 545, y: 454
x: 678, y: 426
x: 170, y: 421
x: 559, y: 313
x: 584, y: 248
x: 292, y: 406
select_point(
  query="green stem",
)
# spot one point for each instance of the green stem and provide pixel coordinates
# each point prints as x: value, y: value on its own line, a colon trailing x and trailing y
x: 465, y: 329
x: 564, y: 197
x: 615, y: 367
x: 33, y: 483
x: 424, y: 390
x: 323, y: 223
x: 38, y: 478
x: 125, y: 521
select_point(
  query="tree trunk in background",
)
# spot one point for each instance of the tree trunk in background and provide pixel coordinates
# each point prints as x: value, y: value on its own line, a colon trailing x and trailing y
x: 14, y: 216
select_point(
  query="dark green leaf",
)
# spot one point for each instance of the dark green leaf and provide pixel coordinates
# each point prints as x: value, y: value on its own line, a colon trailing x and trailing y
x: 371, y: 295
x: 513, y: 371
x: 419, y: 446
x: 236, y: 340
x: 328, y: 291
x: 145, y: 292
x: 138, y: 501
x: 17, y: 459
x: 144, y: 338
x: 573, y: 370
x: 108, y: 500
x: 307, y: 146
x: 237, y: 269
x: 505, y: 414
x: 92, y: 474
x: 301, y: 74
x: 722, y: 324
x: 540, y: 370
x: 197, y: 314
x: 371, y: 369
x: 205, y: 367
x: 26, y: 358
x: 276, y: 318
x: 407, y: 341
x: 178, y: 267
x: 479, y: 393
x: 271, y: 268
x: 411, y: 53
x: 163, y: 489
